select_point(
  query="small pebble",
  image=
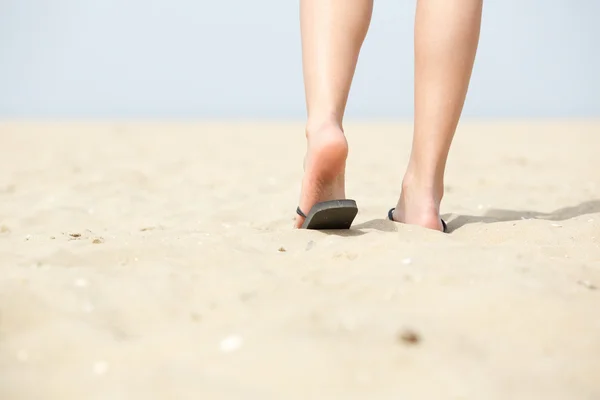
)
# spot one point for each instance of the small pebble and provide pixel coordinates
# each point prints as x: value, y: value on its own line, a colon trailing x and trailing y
x: 310, y: 245
x: 75, y: 235
x: 409, y: 337
x: 230, y: 343
x: 196, y: 317
x: 98, y: 241
x: 588, y: 285
x: 100, y: 367
x: 80, y: 282
x: 22, y: 356
x: 348, y: 323
x: 282, y: 249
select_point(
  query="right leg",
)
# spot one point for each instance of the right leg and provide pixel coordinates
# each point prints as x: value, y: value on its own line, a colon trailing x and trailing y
x: 446, y: 40
x: 332, y: 34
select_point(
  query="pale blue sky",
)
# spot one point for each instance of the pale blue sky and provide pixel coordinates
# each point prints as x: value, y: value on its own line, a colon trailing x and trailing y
x: 240, y: 58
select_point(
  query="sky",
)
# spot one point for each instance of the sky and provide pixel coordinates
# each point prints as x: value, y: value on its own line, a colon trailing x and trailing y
x: 242, y: 59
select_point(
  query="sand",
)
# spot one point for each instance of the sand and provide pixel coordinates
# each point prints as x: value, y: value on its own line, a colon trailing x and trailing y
x: 157, y: 261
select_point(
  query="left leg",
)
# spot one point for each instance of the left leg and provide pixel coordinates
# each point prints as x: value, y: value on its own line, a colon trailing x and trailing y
x: 446, y: 39
x: 333, y: 32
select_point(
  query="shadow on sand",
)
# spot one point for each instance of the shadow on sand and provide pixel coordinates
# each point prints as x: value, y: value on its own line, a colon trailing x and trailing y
x: 491, y: 216
x: 383, y: 225
x: 499, y: 215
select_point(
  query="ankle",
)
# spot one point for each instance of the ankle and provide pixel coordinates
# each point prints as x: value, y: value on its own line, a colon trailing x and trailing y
x: 425, y: 187
x: 318, y: 127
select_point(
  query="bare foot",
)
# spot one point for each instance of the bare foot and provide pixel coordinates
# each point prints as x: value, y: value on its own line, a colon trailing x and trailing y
x: 324, y: 167
x: 419, y: 205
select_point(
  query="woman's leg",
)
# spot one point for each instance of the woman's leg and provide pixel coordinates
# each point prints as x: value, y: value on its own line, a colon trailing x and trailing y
x: 332, y: 34
x: 446, y: 38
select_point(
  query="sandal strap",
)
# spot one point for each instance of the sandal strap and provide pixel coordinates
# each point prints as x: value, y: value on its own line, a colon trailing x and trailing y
x: 300, y: 213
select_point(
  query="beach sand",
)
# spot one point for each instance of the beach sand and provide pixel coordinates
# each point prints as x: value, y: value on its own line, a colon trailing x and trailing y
x: 157, y: 261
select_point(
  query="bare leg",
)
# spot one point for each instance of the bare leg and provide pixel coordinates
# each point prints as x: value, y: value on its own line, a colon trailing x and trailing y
x: 446, y: 38
x: 332, y: 34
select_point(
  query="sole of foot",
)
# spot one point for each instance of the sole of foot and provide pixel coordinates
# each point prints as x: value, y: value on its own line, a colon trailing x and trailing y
x: 324, y: 167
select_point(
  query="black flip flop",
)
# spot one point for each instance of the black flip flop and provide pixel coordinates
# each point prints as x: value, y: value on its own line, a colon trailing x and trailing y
x: 391, y: 218
x: 334, y: 214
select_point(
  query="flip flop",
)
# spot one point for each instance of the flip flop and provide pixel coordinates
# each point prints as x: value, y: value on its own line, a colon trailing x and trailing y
x: 333, y: 214
x: 391, y: 218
